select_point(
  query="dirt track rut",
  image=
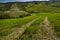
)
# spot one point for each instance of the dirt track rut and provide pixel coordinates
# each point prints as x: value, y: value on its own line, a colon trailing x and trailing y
x: 18, y: 32
x: 46, y: 31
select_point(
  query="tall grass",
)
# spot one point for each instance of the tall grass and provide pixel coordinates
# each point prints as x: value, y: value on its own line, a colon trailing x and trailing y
x: 7, y: 25
x: 55, y: 20
x: 30, y: 32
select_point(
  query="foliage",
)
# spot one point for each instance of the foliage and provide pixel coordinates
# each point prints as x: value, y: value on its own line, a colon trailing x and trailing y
x: 42, y: 8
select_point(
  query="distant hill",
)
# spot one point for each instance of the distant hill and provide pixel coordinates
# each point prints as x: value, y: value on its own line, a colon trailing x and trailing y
x: 22, y: 5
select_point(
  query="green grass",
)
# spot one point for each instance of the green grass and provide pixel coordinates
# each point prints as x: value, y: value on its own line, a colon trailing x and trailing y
x: 55, y: 20
x: 7, y: 25
x: 30, y: 32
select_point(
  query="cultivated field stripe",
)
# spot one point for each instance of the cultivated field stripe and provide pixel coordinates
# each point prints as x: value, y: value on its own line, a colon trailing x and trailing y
x: 46, y: 31
x: 18, y: 32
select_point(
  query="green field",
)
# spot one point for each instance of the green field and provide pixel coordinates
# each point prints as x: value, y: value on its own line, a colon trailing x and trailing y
x: 30, y: 33
x: 7, y: 25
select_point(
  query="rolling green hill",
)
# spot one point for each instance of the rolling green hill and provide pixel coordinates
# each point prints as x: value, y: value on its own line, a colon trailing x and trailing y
x: 30, y: 20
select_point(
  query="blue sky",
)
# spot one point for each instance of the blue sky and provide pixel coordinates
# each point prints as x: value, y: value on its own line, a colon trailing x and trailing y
x: 20, y: 0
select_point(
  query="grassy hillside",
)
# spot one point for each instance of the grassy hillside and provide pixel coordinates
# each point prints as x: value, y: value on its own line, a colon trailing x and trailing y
x: 30, y: 33
x: 22, y: 9
x: 22, y: 5
x: 7, y: 25
x: 14, y: 15
x: 55, y: 20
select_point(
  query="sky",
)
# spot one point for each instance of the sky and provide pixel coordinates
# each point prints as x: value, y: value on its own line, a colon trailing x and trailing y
x: 20, y: 0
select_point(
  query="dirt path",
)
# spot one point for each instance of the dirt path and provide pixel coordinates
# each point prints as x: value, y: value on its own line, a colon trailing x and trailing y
x: 18, y: 32
x: 46, y: 31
